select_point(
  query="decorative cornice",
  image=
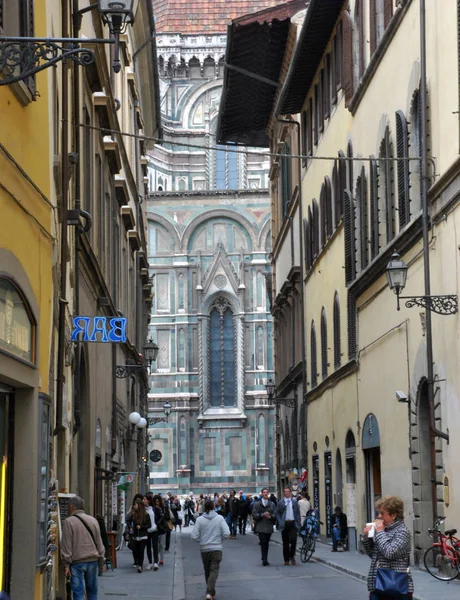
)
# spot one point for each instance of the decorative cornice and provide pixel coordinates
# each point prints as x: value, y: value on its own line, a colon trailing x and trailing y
x: 331, y: 381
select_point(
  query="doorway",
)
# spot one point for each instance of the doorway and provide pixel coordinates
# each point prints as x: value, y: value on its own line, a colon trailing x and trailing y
x: 328, y: 491
x: 338, y: 479
x: 6, y: 484
x: 371, y: 448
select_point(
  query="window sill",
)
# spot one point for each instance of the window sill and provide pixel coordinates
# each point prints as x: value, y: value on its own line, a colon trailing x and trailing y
x: 378, y: 55
x: 22, y: 93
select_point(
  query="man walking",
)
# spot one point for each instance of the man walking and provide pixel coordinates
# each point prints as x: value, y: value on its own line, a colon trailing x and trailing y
x: 232, y: 514
x: 304, y: 506
x: 82, y: 550
x: 210, y: 531
x: 189, y: 509
x: 288, y: 516
x: 264, y: 514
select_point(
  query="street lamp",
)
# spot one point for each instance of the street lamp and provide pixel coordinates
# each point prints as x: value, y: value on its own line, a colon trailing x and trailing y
x: 289, y: 402
x: 397, y: 277
x: 150, y: 355
x: 137, y: 422
x: 155, y: 420
x: 22, y: 57
x: 151, y: 352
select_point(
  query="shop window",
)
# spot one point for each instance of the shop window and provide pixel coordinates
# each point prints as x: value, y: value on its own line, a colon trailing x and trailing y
x: 17, y: 330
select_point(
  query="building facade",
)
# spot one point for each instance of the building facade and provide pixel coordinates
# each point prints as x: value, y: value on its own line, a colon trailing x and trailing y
x: 209, y: 245
x: 362, y: 196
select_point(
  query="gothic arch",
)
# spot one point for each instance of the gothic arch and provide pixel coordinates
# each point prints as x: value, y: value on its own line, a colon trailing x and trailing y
x: 263, y: 234
x: 189, y: 102
x: 154, y: 218
x: 215, y: 214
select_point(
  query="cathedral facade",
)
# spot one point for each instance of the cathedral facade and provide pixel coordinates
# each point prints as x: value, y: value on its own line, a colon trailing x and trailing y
x: 209, y: 246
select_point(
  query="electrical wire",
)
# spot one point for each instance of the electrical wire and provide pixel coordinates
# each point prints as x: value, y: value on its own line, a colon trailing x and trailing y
x: 266, y: 153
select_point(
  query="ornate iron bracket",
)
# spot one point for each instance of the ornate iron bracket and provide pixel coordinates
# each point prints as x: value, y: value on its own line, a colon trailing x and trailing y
x: 153, y: 421
x: 21, y: 57
x: 442, y: 305
x: 122, y: 371
x: 289, y: 402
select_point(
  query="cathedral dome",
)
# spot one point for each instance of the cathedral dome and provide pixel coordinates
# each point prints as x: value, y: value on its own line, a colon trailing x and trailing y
x: 203, y: 16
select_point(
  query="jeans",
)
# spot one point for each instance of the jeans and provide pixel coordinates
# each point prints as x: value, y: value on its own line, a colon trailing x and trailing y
x: 232, y: 522
x: 264, y: 539
x: 336, y: 537
x: 161, y: 545
x: 289, y: 537
x: 152, y: 543
x: 242, y: 524
x: 211, y: 563
x: 84, y: 577
x: 168, y: 539
x: 139, y: 551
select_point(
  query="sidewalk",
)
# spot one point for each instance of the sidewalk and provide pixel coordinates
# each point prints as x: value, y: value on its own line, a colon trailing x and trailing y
x: 167, y: 583
x: 357, y: 565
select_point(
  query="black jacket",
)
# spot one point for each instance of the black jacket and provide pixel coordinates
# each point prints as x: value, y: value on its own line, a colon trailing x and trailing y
x: 160, y: 520
x: 341, y: 521
x: 262, y: 524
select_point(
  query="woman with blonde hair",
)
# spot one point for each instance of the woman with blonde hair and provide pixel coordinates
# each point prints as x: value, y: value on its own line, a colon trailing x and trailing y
x: 388, y: 543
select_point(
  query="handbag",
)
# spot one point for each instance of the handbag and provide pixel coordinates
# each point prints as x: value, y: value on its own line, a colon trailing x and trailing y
x: 392, y: 584
x: 170, y: 525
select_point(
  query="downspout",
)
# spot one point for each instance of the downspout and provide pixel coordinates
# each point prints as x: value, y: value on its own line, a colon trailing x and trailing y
x: 434, y: 432
x: 59, y: 427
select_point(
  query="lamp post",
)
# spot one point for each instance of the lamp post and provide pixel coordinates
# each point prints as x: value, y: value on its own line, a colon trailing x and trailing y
x: 271, y: 393
x: 154, y: 420
x: 397, y: 277
x: 21, y: 57
x: 150, y: 355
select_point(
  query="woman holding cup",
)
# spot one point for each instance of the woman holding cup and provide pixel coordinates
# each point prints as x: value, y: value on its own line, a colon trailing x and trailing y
x: 388, y: 543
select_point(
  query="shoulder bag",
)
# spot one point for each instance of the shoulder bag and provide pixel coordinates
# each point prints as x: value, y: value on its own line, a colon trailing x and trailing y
x: 392, y: 584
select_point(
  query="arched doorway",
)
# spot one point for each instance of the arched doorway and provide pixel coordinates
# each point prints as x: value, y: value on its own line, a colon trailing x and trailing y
x: 351, y: 494
x: 84, y: 433
x: 371, y: 448
x: 338, y: 479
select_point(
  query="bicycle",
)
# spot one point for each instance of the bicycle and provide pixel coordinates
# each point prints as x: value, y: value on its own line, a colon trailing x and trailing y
x: 442, y: 560
x: 309, y: 533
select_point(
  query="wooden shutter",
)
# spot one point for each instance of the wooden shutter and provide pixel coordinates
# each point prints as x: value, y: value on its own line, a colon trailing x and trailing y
x: 333, y: 71
x: 350, y: 240
x: 327, y: 88
x: 28, y: 28
x: 361, y: 189
x: 351, y: 314
x: 387, y: 12
x: 342, y: 186
x: 307, y: 242
x: 316, y: 119
x: 374, y: 202
x: 303, y: 120
x: 361, y: 41
x: 329, y: 223
x: 387, y: 152
x: 323, y: 215
x: 339, y: 57
x: 315, y: 229
x: 310, y: 128
x: 313, y: 356
x: 373, y: 25
x: 402, y: 151
x: 1, y: 14
x: 350, y: 180
x: 347, y: 57
x: 323, y: 344
x: 311, y: 235
x: 337, y: 337
x: 321, y: 101
x: 336, y: 194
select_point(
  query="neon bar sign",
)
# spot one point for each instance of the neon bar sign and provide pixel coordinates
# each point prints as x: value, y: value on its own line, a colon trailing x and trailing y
x: 99, y: 329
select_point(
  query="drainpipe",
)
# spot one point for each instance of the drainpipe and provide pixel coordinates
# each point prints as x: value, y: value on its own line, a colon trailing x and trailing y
x: 434, y: 432
x: 64, y: 201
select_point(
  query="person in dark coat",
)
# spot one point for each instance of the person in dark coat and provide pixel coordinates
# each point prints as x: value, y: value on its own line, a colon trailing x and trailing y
x: 288, y: 517
x: 232, y: 514
x: 339, y: 527
x: 264, y: 514
x: 243, y: 512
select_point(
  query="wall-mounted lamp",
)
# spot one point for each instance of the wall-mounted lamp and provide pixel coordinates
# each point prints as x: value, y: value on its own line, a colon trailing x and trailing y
x: 270, y: 386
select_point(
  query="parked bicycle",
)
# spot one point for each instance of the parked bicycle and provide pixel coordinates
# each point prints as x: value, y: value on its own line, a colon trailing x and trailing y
x: 442, y: 560
x: 309, y: 533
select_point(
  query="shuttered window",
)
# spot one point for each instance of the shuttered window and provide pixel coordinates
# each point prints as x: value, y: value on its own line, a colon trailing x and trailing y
x: 387, y: 12
x: 307, y: 242
x: 360, y: 46
x: 329, y: 220
x: 310, y: 128
x: 316, y: 109
x: 350, y: 179
x: 374, y: 206
x: 350, y: 241
x: 351, y: 314
x: 327, y: 87
x: 347, y: 52
x: 336, y: 193
x: 337, y: 337
x: 361, y: 202
x: 324, y: 363
x: 342, y: 172
x: 402, y: 152
x: 338, y: 48
x: 373, y: 25
x: 321, y: 101
x: 387, y: 180
x: 323, y: 215
x: 313, y: 357
x: 315, y: 239
x: 286, y: 180
x: 415, y: 152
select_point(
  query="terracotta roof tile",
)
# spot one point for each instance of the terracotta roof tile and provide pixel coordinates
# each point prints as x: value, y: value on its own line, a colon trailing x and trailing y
x: 203, y: 16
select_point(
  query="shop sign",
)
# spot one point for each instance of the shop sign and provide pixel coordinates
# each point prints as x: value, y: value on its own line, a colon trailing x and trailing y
x: 99, y: 329
x: 15, y: 325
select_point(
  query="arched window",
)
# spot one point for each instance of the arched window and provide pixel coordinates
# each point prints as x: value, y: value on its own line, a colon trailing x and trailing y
x: 221, y: 353
x: 337, y: 337
x: 194, y: 68
x: 307, y: 243
x: 350, y: 239
x: 387, y: 183
x: 221, y: 66
x: 328, y: 192
x: 313, y: 357
x: 361, y: 203
x: 374, y: 202
x: 415, y: 152
x: 342, y: 186
x: 226, y: 169
x: 315, y: 238
x: 181, y: 350
x: 17, y: 329
x: 335, y: 194
x: 402, y: 152
x: 209, y: 68
x: 324, y: 363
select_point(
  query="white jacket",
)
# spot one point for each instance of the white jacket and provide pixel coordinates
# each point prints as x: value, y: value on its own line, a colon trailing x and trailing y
x: 151, y: 512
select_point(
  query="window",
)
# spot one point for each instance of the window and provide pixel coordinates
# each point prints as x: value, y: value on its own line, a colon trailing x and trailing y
x: 402, y: 152
x: 322, y: 208
x: 194, y: 68
x: 321, y: 101
x: 309, y: 129
x: 350, y: 241
x: 361, y: 202
x: 221, y: 352
x: 374, y: 202
x: 315, y: 238
x: 43, y: 476
x: 313, y: 357
x: 338, y: 67
x: 387, y: 182
x: 342, y: 186
x: 327, y: 87
x: 316, y: 108
x: 337, y: 338
x: 226, y: 169
x: 307, y: 242
x: 380, y: 13
x: 351, y: 313
x: 87, y: 162
x: 209, y: 451
x: 324, y: 363
x: 261, y: 440
x: 415, y: 152
x: 348, y: 83
x: 17, y: 20
x: 286, y: 180
x: 360, y: 41
x: 329, y: 221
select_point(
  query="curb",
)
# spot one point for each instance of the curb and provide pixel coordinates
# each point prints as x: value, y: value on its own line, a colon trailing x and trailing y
x: 178, y: 588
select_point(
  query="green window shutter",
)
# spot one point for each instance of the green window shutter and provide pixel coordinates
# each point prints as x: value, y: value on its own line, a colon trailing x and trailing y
x: 402, y: 151
x: 349, y: 236
x: 374, y: 202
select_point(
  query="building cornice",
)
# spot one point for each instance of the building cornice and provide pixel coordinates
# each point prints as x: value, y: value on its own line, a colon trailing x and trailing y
x: 332, y: 380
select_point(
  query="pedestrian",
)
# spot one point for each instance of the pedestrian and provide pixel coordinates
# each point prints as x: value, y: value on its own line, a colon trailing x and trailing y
x: 152, y: 539
x: 169, y: 519
x: 210, y: 531
x: 264, y: 513
x: 220, y: 506
x: 288, y: 517
x: 232, y: 514
x: 200, y: 505
x: 388, y: 543
x: 128, y: 520
x: 140, y: 526
x: 82, y: 550
x: 189, y: 508
x: 243, y: 511
x: 339, y: 527
x: 176, y: 510
x: 304, y: 506
x: 162, y: 526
